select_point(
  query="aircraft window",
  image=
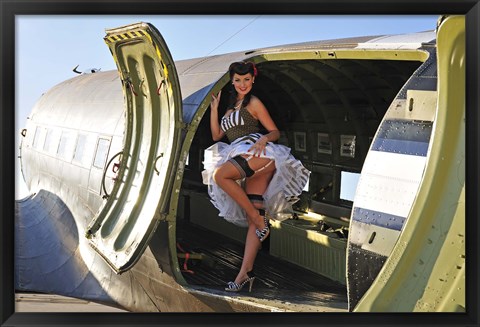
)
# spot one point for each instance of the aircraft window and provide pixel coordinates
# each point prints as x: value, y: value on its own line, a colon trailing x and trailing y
x: 80, y: 148
x: 323, y: 143
x: 348, y: 185
x: 36, y: 138
x: 101, y: 153
x: 347, y: 145
x: 48, y: 145
x: 63, y: 146
x: 47, y: 139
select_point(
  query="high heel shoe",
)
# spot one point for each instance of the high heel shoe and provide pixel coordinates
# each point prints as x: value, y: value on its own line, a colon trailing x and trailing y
x: 234, y: 287
x: 263, y: 234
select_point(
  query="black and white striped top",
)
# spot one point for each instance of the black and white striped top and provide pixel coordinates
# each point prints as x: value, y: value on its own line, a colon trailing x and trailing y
x: 239, y: 123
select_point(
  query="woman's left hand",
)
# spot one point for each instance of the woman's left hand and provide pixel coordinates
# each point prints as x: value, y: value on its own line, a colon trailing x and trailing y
x: 259, y: 147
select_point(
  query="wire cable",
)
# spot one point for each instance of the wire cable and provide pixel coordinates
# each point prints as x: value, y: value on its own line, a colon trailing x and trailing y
x: 228, y: 39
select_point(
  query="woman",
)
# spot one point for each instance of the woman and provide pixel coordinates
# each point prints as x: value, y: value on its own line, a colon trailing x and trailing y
x: 251, y: 175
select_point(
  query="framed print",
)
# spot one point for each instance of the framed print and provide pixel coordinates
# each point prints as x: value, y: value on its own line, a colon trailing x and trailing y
x: 347, y: 145
x: 300, y: 141
x: 324, y: 145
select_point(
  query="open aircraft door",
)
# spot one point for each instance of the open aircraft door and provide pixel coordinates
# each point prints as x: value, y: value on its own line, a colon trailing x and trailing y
x: 408, y: 215
x: 123, y: 226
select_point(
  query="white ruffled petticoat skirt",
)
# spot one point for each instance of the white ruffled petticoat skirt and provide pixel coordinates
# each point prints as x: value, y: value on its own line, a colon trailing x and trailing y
x: 284, y: 189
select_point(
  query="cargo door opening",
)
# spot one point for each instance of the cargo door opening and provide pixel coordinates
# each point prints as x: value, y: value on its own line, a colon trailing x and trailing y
x: 328, y: 112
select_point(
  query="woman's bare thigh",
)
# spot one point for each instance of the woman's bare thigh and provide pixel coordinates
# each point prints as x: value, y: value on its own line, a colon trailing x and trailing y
x: 258, y: 183
x: 227, y: 170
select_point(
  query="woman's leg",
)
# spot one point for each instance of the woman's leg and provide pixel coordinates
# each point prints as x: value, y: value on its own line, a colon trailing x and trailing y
x: 226, y: 175
x: 257, y: 184
x: 252, y: 245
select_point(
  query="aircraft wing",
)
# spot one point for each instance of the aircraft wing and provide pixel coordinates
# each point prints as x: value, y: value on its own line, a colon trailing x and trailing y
x: 52, y: 256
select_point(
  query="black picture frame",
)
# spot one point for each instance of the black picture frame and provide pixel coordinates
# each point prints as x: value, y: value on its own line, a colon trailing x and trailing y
x: 347, y: 145
x: 9, y: 9
x: 300, y: 140
x: 324, y: 145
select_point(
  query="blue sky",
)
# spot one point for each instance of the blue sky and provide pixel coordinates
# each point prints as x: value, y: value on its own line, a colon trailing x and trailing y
x: 48, y: 47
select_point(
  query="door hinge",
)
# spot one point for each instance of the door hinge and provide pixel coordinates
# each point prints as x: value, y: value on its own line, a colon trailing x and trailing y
x: 185, y: 126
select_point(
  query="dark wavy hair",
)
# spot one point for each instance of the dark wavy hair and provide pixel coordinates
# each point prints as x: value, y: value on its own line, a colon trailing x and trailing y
x: 241, y: 68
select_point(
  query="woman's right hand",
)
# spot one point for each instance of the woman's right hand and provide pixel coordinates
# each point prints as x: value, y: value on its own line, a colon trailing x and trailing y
x: 217, y: 132
x: 215, y: 101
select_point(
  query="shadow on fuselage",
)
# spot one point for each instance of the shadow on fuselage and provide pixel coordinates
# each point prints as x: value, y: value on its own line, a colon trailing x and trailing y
x: 48, y: 253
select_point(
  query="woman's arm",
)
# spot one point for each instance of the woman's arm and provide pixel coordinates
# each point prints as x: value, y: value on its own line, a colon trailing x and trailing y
x: 217, y: 133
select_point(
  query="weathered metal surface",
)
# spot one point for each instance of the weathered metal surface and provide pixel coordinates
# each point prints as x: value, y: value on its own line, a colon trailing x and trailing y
x: 426, y: 269
x: 390, y: 181
x: 120, y: 231
x: 337, y: 87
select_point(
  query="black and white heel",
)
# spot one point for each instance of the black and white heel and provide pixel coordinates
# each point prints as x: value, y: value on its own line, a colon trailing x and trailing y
x: 263, y: 234
x: 234, y: 287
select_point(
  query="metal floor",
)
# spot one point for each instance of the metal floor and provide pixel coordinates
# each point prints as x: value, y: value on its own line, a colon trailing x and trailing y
x: 277, y: 281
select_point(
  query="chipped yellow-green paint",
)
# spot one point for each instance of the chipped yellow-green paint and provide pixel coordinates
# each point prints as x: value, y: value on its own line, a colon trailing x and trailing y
x: 426, y: 269
x: 126, y: 36
x: 360, y: 54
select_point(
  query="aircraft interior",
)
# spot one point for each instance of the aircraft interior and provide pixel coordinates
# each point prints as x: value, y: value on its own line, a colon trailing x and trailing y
x: 328, y: 112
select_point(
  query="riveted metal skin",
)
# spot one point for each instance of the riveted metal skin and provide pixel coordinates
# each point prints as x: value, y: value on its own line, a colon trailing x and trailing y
x: 107, y: 157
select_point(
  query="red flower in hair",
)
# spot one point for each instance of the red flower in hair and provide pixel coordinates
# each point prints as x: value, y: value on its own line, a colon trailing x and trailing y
x: 254, y: 69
